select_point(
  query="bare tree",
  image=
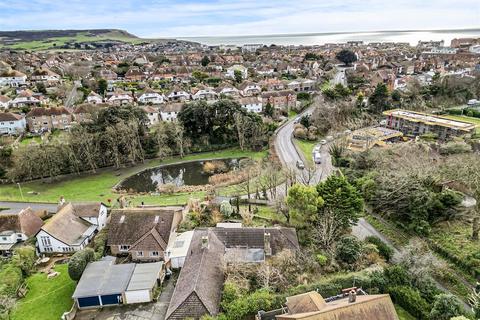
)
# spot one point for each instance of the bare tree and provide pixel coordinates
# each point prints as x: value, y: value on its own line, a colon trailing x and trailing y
x: 307, y: 175
x: 327, y: 230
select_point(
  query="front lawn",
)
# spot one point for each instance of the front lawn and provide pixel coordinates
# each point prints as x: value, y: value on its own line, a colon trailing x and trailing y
x: 98, y: 186
x: 47, y: 299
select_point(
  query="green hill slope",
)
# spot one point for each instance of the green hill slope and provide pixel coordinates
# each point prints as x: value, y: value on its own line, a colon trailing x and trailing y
x: 64, y: 39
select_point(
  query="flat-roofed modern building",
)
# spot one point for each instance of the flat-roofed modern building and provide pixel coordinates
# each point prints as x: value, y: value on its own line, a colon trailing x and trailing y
x: 417, y: 123
x: 366, y: 138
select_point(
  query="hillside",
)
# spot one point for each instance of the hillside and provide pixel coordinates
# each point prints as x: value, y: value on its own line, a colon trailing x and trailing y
x: 65, y: 39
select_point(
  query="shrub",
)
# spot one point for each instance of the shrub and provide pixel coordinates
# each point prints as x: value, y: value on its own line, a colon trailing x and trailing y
x: 410, y: 300
x: 321, y: 259
x: 211, y: 167
x: 99, y: 243
x: 383, y: 249
x: 11, y: 279
x: 348, y: 249
x: 226, y: 209
x: 396, y: 276
x: 303, y: 96
x: 248, y: 305
x: 446, y: 306
x: 454, y: 148
x: 78, y: 262
x: 24, y: 258
x: 300, y: 133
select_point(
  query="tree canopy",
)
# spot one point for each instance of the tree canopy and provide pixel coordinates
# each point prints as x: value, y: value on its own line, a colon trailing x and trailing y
x: 346, y: 56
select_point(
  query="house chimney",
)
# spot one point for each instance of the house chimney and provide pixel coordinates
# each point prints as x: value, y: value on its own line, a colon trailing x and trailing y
x: 204, y: 242
x: 266, y: 244
x: 352, y: 296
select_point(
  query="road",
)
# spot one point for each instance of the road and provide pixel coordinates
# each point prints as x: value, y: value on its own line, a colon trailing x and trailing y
x: 289, y: 155
x: 364, y: 229
x: 16, y: 207
x: 72, y: 95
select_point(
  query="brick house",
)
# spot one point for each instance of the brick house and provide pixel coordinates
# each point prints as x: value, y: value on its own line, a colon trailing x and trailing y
x: 46, y: 119
x: 142, y: 233
x: 284, y: 99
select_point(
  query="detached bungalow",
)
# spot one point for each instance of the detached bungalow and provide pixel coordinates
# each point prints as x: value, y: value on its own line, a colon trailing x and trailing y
x: 71, y: 228
x: 143, y: 233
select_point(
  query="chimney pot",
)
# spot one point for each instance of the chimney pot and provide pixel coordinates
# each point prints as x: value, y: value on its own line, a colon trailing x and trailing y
x: 204, y: 242
x: 352, y: 296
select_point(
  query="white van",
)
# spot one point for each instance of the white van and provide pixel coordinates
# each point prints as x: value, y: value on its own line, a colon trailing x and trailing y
x: 317, y: 158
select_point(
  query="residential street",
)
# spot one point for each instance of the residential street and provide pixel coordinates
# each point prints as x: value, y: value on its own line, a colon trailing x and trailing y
x: 15, y: 207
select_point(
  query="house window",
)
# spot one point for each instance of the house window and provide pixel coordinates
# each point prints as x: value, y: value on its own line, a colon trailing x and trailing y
x: 124, y: 248
x: 154, y: 254
x: 46, y: 241
x: 139, y: 253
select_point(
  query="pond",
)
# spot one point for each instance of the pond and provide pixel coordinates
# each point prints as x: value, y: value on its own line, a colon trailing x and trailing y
x: 181, y: 174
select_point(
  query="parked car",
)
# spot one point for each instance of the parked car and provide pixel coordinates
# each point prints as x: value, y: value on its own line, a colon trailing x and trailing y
x: 316, y: 149
x: 300, y: 165
x: 317, y: 158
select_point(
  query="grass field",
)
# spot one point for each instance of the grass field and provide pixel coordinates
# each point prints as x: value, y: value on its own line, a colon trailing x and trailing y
x: 98, y: 186
x: 307, y: 148
x: 51, y: 43
x: 473, y: 120
x: 46, y: 299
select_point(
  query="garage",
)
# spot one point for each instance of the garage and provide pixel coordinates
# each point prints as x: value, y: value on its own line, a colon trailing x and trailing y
x: 137, y: 296
x: 111, y: 299
x: 102, y: 284
x: 145, y: 278
x: 88, y: 302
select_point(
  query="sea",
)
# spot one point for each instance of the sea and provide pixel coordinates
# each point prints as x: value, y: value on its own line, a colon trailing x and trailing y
x: 308, y: 39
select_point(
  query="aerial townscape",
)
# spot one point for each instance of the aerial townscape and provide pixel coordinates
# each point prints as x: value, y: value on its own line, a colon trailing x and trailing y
x: 228, y: 179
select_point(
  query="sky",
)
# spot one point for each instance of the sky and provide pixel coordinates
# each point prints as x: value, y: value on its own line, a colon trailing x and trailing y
x: 189, y: 18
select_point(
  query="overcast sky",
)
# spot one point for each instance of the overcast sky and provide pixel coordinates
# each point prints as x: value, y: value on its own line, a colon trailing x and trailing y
x: 161, y: 18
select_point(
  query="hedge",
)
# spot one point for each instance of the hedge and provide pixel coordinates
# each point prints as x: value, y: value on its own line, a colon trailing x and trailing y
x: 410, y: 300
x: 78, y: 262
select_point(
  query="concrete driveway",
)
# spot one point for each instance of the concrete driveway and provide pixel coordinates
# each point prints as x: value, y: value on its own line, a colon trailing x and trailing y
x: 145, y: 311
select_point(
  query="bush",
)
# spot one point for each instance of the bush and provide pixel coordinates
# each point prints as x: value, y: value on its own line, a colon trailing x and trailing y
x: 454, y: 148
x: 321, y: 259
x: 300, y: 133
x: 226, y: 209
x: 446, y: 306
x: 11, y: 279
x: 78, y: 262
x: 348, y: 249
x: 248, y: 305
x: 383, y: 249
x: 396, y: 276
x: 99, y: 243
x: 24, y: 258
x: 410, y: 300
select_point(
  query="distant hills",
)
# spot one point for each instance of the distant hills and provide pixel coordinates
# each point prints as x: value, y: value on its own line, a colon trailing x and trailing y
x: 67, y: 39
